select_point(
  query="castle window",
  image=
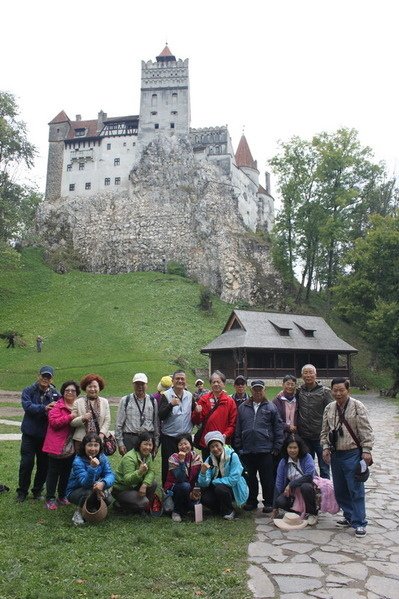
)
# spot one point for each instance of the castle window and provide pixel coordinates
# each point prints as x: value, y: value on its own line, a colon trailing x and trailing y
x: 117, y: 161
x: 154, y: 100
x: 172, y: 125
x: 87, y: 185
x: 108, y: 146
x: 80, y: 132
x: 174, y: 99
x: 174, y: 112
x: 81, y: 166
x: 107, y: 181
x: 69, y: 167
x: 153, y: 112
x: 117, y: 180
x: 72, y: 187
x: 124, y: 144
x: 156, y: 126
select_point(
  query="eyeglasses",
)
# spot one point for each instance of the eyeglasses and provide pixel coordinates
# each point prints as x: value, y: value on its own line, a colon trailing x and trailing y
x: 70, y: 391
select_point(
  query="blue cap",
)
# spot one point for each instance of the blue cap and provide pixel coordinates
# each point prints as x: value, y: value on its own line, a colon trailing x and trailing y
x: 47, y: 370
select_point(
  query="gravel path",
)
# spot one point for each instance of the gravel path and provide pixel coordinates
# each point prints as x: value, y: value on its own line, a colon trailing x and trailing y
x: 326, y: 562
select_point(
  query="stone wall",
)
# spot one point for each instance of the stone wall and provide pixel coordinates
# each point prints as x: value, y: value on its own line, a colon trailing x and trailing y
x: 175, y: 209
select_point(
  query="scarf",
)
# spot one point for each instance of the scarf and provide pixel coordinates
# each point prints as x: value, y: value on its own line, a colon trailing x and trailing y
x: 219, y: 465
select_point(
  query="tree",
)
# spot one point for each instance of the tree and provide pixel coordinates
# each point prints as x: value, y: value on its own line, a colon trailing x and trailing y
x: 18, y: 201
x: 330, y: 186
x: 369, y: 295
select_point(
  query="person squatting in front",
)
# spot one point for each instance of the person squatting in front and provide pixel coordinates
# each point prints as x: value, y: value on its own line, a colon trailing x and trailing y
x: 295, y: 474
x: 221, y: 478
x: 91, y: 471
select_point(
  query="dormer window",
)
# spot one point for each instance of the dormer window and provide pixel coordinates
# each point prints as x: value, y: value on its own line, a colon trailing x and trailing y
x: 81, y: 132
x: 306, y: 332
x: 282, y: 331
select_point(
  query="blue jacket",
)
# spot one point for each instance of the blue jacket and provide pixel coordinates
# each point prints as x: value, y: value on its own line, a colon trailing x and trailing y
x: 307, y: 466
x: 34, y: 422
x: 232, y: 476
x: 84, y: 475
x: 260, y: 432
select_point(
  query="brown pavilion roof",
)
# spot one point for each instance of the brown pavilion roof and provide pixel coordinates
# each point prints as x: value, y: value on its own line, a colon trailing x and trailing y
x: 60, y: 118
x: 243, y: 154
x: 89, y: 126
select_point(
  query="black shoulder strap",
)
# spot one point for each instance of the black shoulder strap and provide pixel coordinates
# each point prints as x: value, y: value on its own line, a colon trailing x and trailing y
x: 128, y: 398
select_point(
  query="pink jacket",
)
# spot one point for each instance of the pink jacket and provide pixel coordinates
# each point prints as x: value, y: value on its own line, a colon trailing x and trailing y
x: 58, y: 430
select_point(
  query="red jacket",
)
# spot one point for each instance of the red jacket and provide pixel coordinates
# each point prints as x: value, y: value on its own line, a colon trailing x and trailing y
x: 59, y: 418
x: 222, y: 419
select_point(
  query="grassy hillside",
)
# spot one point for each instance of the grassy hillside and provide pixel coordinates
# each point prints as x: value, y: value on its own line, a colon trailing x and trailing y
x: 119, y: 324
x: 113, y: 325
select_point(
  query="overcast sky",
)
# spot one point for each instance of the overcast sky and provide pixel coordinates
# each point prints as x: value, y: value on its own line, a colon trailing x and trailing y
x: 276, y: 67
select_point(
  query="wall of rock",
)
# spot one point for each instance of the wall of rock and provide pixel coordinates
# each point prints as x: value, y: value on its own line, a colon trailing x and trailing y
x: 176, y: 209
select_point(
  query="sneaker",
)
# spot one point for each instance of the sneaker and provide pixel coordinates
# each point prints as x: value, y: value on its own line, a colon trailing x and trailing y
x: 360, y: 531
x: 312, y: 519
x: 267, y: 509
x: 176, y: 517
x: 77, y: 518
x: 343, y: 523
x: 230, y: 516
x: 51, y: 504
x: 249, y: 507
x: 156, y: 508
x: 20, y: 498
x: 63, y: 501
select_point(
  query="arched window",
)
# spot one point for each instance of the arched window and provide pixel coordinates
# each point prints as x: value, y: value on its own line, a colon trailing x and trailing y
x: 154, y: 100
x: 174, y: 99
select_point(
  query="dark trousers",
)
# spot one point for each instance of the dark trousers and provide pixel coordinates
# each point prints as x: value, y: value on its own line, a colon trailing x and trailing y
x: 309, y: 497
x: 168, y: 446
x: 78, y: 496
x: 181, y: 498
x: 31, y: 448
x: 261, y: 463
x: 130, y: 440
x: 218, y: 498
x: 316, y: 449
x: 59, y: 470
x: 132, y: 500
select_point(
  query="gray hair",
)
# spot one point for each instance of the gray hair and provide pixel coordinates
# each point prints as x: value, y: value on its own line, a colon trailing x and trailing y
x: 309, y: 366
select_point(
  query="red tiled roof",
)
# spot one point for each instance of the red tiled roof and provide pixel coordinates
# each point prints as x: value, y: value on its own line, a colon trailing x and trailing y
x: 243, y: 154
x: 166, y: 51
x: 60, y: 118
x: 262, y: 190
x: 90, y: 126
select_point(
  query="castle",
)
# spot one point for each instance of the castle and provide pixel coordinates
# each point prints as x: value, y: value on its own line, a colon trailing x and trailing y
x: 139, y: 175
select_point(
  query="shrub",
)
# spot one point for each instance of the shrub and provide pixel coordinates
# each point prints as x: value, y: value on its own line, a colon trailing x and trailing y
x: 205, y: 301
x: 176, y: 268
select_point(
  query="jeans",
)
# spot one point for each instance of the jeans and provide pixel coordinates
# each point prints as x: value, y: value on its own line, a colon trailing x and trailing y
x: 218, y: 498
x: 59, y: 470
x: 31, y: 448
x: 78, y: 496
x: 262, y: 463
x: 181, y: 498
x: 316, y: 449
x: 349, y: 492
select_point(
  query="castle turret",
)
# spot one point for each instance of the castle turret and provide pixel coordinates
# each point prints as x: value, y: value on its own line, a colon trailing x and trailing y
x: 245, y: 162
x: 59, y: 128
x: 165, y: 98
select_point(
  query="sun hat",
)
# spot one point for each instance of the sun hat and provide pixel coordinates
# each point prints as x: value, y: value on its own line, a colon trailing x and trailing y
x: 198, y: 381
x: 165, y: 383
x: 213, y: 436
x: 140, y: 377
x: 94, y: 508
x: 290, y: 521
x: 362, y: 472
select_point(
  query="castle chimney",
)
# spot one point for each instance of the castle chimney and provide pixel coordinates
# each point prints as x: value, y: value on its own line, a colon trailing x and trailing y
x: 100, y: 121
x: 78, y: 117
x: 268, y: 186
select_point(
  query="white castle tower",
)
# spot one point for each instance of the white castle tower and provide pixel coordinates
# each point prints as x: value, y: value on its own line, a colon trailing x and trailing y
x: 165, y: 98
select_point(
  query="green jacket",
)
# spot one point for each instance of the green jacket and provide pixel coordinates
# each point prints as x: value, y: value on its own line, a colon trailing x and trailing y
x: 127, y: 473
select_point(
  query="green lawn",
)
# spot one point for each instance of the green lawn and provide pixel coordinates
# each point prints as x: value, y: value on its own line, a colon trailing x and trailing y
x: 42, y: 555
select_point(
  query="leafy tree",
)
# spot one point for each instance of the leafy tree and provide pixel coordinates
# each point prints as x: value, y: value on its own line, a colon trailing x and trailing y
x: 330, y: 186
x: 369, y: 295
x: 18, y: 202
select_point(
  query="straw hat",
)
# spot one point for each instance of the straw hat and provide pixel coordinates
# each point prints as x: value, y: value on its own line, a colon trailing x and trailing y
x: 290, y: 521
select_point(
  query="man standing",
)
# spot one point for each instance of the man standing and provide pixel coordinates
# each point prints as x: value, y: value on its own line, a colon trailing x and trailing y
x: 137, y: 413
x: 200, y: 390
x: 175, y: 415
x: 259, y: 436
x: 312, y: 400
x: 36, y: 400
x: 347, y: 440
x: 240, y: 386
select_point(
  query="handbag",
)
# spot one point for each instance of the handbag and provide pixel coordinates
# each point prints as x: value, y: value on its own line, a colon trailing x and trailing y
x: 109, y: 442
x: 198, y: 434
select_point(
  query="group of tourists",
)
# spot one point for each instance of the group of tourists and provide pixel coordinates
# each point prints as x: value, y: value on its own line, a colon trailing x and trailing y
x: 237, y: 438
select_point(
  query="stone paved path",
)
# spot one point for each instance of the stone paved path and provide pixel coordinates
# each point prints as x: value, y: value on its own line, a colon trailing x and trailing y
x: 326, y: 562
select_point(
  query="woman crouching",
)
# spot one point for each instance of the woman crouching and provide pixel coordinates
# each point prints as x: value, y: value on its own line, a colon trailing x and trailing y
x: 295, y: 474
x: 221, y: 479
x: 134, y: 488
x: 184, y: 468
x: 91, y: 472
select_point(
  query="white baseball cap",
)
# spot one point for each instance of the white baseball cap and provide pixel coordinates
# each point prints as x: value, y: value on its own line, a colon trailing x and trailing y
x: 140, y: 377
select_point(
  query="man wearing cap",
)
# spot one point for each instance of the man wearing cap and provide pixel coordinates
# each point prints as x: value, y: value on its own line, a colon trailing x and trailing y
x: 36, y: 401
x: 137, y: 413
x: 312, y: 399
x: 199, y: 385
x: 175, y: 415
x: 347, y: 440
x: 259, y: 436
x: 240, y: 386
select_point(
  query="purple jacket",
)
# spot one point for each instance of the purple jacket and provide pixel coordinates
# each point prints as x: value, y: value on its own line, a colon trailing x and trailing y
x: 280, y: 405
